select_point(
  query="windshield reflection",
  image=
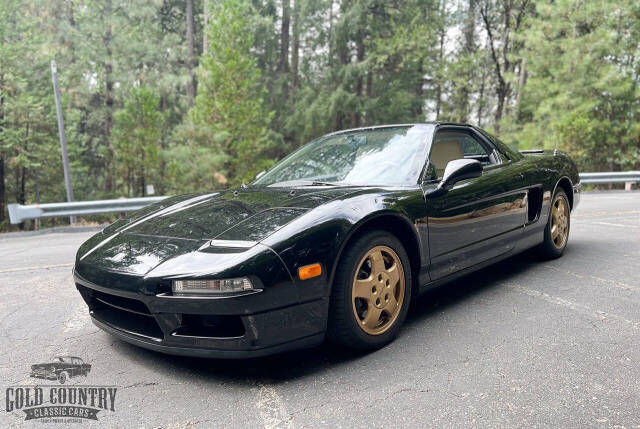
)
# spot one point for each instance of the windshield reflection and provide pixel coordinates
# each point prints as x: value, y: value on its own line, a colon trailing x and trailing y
x: 371, y: 157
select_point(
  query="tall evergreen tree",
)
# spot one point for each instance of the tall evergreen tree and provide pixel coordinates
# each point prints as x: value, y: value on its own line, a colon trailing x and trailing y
x: 587, y: 99
x: 277, y: 73
x: 137, y: 132
x: 229, y: 117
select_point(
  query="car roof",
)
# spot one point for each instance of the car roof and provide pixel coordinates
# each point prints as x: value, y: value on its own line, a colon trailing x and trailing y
x: 373, y: 127
x: 67, y: 356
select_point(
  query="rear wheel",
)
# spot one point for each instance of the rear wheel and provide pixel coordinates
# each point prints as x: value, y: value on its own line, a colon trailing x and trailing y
x: 371, y: 292
x: 556, y: 234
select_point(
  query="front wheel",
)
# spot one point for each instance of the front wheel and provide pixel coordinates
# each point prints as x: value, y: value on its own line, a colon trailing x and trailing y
x: 62, y: 377
x: 371, y: 292
x: 556, y: 233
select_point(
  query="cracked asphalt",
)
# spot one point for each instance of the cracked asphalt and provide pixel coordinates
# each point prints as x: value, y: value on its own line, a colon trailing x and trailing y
x: 526, y: 343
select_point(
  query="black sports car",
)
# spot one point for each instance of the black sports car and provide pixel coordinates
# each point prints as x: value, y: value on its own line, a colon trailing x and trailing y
x: 333, y: 241
x: 61, y: 368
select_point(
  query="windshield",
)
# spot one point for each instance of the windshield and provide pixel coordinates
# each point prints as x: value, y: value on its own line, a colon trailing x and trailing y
x: 379, y: 156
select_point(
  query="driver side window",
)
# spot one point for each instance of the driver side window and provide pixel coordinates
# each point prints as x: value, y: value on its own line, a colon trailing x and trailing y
x: 453, y: 144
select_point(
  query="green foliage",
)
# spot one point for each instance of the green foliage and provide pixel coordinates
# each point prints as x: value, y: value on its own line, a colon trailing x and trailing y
x: 585, y: 100
x: 229, y: 117
x: 538, y: 73
x: 137, y: 134
x: 28, y: 133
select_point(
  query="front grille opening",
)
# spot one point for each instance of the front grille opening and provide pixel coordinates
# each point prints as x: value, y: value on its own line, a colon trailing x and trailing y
x: 201, y: 325
x: 126, y: 314
x: 127, y: 304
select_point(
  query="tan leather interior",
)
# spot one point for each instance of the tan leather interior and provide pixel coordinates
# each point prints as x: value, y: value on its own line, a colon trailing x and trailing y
x: 444, y: 151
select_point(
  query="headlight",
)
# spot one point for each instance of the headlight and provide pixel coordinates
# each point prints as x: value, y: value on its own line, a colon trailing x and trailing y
x: 210, y: 287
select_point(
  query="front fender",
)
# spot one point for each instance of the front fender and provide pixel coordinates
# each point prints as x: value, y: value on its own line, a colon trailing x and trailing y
x: 320, y: 235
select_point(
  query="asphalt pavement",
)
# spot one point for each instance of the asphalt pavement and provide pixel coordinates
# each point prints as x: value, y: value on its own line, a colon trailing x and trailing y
x: 525, y: 343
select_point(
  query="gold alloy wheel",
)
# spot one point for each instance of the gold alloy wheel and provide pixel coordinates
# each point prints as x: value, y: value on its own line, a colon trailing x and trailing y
x: 559, y: 222
x: 378, y: 290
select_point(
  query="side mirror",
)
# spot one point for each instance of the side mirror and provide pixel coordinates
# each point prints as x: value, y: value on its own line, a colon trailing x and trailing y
x: 455, y: 171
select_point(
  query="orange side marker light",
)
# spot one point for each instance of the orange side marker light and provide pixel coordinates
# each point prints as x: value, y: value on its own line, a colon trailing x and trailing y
x: 309, y: 271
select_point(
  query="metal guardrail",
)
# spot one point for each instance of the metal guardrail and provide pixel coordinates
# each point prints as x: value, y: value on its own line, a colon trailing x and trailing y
x: 610, y: 177
x: 19, y: 213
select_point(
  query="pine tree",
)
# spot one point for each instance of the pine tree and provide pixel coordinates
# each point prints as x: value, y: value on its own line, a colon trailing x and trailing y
x: 137, y: 133
x: 587, y: 99
x: 229, y: 118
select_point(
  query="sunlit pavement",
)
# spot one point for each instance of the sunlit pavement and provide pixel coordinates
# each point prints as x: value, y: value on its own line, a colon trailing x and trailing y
x: 525, y: 343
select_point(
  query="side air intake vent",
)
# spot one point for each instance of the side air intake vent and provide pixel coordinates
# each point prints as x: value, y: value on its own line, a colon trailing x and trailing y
x: 534, y: 204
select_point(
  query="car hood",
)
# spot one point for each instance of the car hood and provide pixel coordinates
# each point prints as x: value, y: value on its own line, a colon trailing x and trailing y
x: 241, y: 214
x: 179, y: 225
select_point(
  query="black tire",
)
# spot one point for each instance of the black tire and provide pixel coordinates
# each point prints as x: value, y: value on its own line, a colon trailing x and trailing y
x: 550, y: 249
x: 343, y: 328
x: 62, y: 377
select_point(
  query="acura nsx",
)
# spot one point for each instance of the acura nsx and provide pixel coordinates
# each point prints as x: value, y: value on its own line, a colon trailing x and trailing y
x: 333, y: 242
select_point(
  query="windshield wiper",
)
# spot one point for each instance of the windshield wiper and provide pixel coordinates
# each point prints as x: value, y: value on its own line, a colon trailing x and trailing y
x: 292, y: 183
x: 317, y: 183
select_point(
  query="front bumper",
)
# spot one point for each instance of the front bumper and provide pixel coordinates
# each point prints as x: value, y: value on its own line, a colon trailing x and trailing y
x: 235, y: 327
x: 195, y: 350
x: 45, y: 376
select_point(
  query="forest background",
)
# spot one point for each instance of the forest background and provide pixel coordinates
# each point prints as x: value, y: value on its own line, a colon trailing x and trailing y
x: 190, y: 95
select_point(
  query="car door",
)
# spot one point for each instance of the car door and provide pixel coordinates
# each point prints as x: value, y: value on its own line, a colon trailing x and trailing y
x: 479, y: 218
x: 76, y: 366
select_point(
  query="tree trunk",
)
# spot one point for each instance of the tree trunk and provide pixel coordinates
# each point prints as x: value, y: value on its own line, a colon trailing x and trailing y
x: 295, y: 48
x: 512, y: 20
x: 357, y: 115
x: 205, y: 38
x: 142, y: 179
x: 330, y: 33
x: 521, y: 83
x: 419, y: 91
x: 20, y: 197
x: 283, y: 66
x: 2, y: 189
x: 344, y: 58
x: 191, y: 86
x: 108, y: 126
x: 2, y: 181
x: 439, y: 84
x: 501, y: 93
x: 368, y: 90
x: 481, y: 96
x: 469, y: 50
x: 163, y: 146
x: 70, y: 15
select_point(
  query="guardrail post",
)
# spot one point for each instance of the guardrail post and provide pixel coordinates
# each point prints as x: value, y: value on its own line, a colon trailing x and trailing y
x: 63, y: 138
